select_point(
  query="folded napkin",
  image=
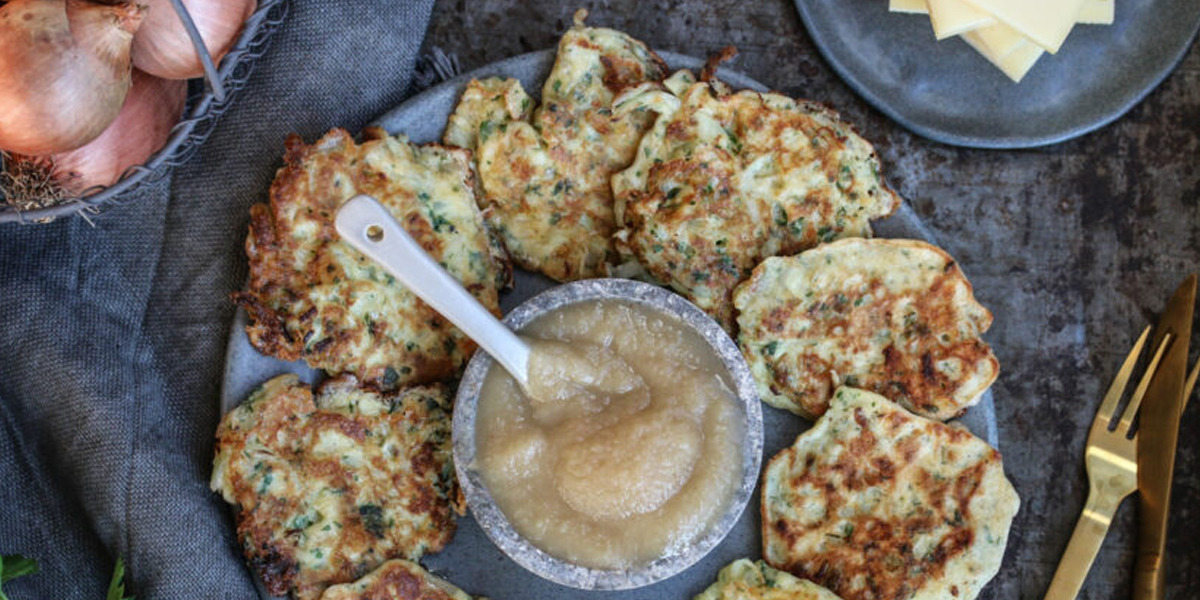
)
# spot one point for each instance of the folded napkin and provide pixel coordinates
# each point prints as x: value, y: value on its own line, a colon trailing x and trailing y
x: 112, y: 336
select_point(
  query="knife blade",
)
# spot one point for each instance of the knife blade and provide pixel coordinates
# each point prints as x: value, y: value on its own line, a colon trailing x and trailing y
x: 1157, y: 437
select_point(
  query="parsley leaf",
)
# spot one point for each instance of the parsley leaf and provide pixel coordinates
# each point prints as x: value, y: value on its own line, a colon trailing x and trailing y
x: 13, y: 566
x: 116, y: 587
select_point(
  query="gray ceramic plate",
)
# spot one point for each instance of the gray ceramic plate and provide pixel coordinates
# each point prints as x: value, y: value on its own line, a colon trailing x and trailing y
x: 947, y: 92
x: 471, y: 561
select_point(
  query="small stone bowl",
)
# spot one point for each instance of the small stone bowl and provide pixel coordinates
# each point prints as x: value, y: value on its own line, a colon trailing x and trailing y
x: 496, y: 525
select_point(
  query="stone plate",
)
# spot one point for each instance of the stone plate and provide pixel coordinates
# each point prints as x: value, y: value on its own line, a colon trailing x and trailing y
x: 471, y: 561
x: 947, y: 92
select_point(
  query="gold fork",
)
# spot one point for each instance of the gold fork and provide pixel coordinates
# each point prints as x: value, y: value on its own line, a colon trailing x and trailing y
x: 1111, y: 460
x: 1191, y: 384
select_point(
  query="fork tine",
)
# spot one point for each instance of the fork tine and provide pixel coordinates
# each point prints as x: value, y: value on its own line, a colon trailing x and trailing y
x: 1108, y: 408
x: 1135, y: 402
x: 1191, y: 384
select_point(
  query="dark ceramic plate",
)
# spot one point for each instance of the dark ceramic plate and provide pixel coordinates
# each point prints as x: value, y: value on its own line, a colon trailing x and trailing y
x: 471, y: 561
x: 947, y: 92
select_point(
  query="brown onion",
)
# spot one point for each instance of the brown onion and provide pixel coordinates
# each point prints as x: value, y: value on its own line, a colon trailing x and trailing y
x: 163, y: 48
x: 153, y: 107
x: 64, y: 71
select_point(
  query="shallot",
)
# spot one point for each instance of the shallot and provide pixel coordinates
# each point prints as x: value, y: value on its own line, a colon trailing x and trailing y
x: 152, y: 109
x: 163, y: 47
x: 64, y: 71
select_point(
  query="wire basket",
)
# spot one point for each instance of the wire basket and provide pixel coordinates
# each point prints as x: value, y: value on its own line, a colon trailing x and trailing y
x: 207, y: 100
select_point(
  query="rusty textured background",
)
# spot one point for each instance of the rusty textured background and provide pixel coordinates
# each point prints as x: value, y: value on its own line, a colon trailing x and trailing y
x: 1074, y: 247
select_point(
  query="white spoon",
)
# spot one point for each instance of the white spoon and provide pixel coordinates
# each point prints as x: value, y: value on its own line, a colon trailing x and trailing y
x: 369, y: 227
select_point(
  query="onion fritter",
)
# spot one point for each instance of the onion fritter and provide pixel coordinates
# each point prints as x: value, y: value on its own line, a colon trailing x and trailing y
x: 545, y: 180
x: 723, y: 180
x: 744, y: 579
x: 397, y: 580
x: 896, y: 317
x: 314, y: 297
x: 876, y: 503
x: 329, y: 488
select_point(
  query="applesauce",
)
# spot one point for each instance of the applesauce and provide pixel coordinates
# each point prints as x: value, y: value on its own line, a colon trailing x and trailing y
x: 628, y: 445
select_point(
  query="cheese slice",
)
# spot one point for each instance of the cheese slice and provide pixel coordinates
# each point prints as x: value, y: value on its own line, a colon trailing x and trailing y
x: 908, y: 6
x: 1093, y: 12
x: 952, y: 17
x: 1016, y: 64
x: 1097, y: 12
x: 1046, y: 23
x: 1000, y: 39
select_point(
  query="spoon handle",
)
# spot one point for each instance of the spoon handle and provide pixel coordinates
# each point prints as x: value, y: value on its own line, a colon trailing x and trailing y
x: 370, y: 228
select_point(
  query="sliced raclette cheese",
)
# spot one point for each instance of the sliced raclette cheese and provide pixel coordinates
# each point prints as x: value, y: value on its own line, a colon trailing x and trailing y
x: 1093, y: 12
x: 1016, y: 64
x: 952, y: 17
x: 1045, y: 23
x: 1011, y: 34
x: 1097, y: 12
x: 908, y: 6
x: 1000, y: 39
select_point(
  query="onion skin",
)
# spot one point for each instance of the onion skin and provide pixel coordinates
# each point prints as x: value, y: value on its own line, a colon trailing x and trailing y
x: 64, y: 71
x: 163, y: 48
x: 153, y: 107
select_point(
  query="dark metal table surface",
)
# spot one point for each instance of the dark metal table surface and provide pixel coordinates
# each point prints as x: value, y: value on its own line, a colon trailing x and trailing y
x: 1074, y: 247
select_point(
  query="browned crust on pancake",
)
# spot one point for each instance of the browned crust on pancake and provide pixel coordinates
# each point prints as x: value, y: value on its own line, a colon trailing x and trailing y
x: 405, y: 344
x: 673, y: 227
x: 396, y: 580
x: 907, y: 373
x: 709, y: 72
x: 861, y: 549
x: 546, y: 179
x: 398, y: 505
x: 878, y: 550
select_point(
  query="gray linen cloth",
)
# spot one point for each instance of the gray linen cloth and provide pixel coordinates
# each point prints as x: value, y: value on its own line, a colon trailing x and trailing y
x: 112, y: 337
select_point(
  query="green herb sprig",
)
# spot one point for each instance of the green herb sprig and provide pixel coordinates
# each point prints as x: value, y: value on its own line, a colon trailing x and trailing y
x: 15, y: 565
x: 116, y: 586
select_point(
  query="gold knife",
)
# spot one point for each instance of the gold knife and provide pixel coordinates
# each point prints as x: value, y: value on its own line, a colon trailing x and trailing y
x: 1157, y: 435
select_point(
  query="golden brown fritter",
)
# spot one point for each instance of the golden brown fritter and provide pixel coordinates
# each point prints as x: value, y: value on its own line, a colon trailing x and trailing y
x: 744, y: 579
x: 314, y: 297
x: 328, y: 488
x: 397, y: 580
x: 896, y: 317
x: 485, y: 105
x: 546, y: 179
x: 876, y: 503
x: 723, y: 180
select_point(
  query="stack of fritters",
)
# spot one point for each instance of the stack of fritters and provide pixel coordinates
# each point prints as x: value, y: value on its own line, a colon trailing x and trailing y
x: 328, y: 492
x: 876, y: 503
x: 328, y: 488
x: 726, y: 179
x: 754, y: 206
x: 545, y: 179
